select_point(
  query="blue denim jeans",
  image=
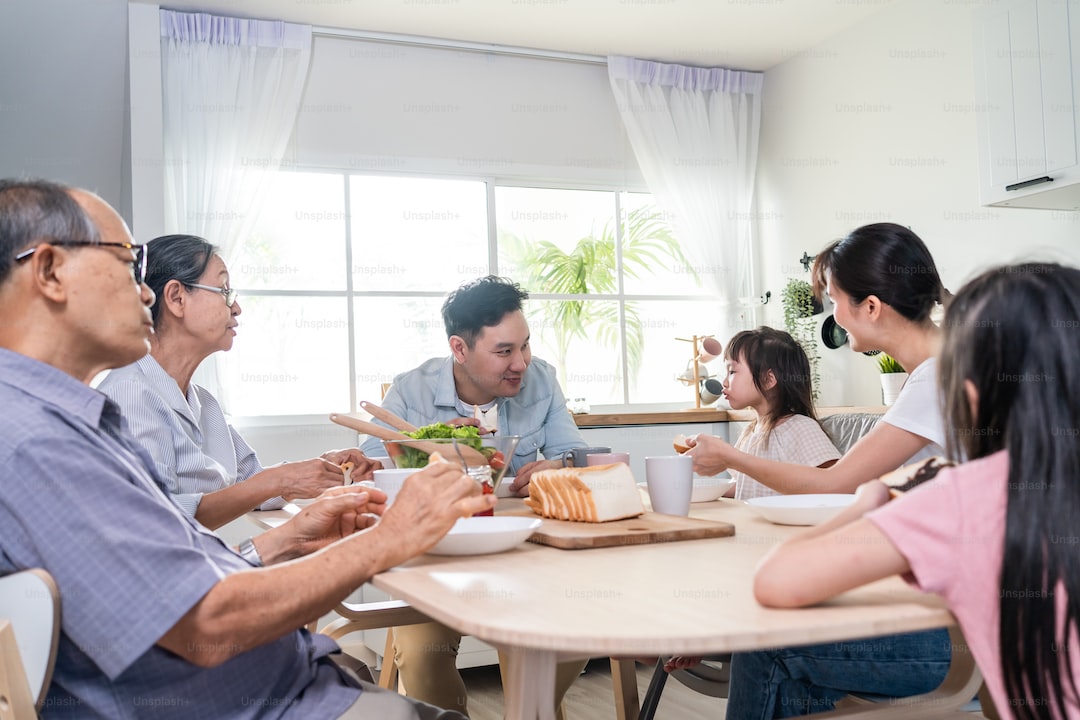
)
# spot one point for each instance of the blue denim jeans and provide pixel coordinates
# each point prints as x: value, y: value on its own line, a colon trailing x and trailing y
x: 795, y: 681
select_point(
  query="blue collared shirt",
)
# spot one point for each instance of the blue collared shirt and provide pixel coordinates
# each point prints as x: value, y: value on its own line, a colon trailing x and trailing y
x: 427, y: 394
x: 194, y: 448
x: 78, y: 498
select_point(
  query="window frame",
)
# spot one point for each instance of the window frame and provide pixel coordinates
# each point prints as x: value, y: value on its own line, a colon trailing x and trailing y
x: 491, y: 182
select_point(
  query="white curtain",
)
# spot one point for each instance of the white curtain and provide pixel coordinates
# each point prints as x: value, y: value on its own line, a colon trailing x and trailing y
x: 695, y: 136
x: 231, y: 91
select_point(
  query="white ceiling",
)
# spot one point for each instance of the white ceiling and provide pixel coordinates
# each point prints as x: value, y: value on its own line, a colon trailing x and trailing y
x: 739, y: 34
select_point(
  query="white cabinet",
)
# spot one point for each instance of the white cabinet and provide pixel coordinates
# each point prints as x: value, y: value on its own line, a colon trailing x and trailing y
x: 1027, y: 86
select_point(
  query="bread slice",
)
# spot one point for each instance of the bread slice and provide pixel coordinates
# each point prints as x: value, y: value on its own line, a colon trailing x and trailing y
x: 903, y: 479
x: 598, y: 493
x: 680, y: 444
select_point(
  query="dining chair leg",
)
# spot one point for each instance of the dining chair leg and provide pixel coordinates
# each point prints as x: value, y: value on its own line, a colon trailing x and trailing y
x: 624, y: 684
x: 652, y: 695
x: 388, y: 675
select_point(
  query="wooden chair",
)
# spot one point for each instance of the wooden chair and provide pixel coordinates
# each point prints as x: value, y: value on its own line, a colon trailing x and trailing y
x: 374, y: 615
x: 29, y: 635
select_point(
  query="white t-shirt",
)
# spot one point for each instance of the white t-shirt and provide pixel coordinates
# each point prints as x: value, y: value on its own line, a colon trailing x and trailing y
x: 918, y: 410
x: 798, y: 439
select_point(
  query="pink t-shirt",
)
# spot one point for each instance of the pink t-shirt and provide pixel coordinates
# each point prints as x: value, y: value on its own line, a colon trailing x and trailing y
x: 952, y: 532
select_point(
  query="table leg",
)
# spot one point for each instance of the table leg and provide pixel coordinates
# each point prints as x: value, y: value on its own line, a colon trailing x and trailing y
x: 624, y: 681
x: 529, y: 693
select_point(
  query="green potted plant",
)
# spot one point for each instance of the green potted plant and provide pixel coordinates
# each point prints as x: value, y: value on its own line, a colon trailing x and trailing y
x: 800, y: 306
x: 893, y: 376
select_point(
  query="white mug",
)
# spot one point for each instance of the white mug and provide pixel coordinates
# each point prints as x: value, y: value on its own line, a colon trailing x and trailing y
x: 390, y: 481
x: 670, y: 479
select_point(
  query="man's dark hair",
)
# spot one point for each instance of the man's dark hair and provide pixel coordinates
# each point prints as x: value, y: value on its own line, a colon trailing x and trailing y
x: 33, y: 211
x: 479, y: 304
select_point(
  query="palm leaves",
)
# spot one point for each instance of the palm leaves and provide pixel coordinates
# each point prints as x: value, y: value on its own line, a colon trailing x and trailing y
x: 590, y: 268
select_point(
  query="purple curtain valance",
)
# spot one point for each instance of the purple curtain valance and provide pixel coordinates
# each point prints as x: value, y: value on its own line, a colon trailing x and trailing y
x: 684, y: 77
x: 218, y: 30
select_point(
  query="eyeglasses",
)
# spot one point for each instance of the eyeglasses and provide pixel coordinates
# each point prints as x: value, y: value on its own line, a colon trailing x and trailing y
x: 229, y: 293
x: 138, y: 263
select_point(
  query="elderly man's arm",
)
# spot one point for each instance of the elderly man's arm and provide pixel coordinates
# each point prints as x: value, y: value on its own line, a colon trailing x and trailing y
x: 249, y: 608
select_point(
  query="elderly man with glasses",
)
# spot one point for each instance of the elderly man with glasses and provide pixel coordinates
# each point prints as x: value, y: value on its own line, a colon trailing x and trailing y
x: 160, y: 618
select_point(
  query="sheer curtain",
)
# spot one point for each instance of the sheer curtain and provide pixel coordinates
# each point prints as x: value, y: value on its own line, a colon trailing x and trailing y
x: 231, y: 90
x: 695, y: 136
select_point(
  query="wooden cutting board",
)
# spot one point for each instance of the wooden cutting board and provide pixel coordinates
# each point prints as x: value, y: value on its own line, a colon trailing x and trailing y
x: 648, y: 528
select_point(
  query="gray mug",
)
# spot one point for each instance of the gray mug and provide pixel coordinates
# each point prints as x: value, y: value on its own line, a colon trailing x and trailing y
x: 576, y: 456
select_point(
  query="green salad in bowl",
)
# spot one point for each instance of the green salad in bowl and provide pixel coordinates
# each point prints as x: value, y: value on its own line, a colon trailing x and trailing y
x: 497, y: 450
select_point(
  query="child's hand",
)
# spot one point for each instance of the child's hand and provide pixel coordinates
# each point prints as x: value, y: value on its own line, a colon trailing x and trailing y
x: 709, y: 453
x: 681, y: 663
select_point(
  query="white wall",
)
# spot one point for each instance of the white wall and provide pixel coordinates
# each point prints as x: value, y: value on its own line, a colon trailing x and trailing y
x: 62, y: 92
x: 879, y: 124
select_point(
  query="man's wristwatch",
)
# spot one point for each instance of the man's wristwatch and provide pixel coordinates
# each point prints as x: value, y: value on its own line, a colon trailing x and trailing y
x: 249, y: 552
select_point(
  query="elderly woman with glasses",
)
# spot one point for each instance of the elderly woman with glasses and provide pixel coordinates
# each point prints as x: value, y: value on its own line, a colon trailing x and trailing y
x: 210, y: 471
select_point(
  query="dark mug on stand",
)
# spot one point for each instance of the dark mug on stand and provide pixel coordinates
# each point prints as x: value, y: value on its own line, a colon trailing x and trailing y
x: 576, y: 456
x: 711, y: 391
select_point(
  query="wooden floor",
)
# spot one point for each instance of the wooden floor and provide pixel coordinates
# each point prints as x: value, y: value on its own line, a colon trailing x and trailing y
x: 591, y: 697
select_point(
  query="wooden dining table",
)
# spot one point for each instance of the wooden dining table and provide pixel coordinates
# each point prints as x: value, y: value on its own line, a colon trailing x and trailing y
x: 541, y: 605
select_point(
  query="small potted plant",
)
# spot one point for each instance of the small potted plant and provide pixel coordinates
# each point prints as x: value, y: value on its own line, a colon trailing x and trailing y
x: 893, y: 377
x: 800, y: 306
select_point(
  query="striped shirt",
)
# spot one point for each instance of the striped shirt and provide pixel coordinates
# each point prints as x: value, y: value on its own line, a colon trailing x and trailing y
x: 799, y: 440
x: 194, y: 448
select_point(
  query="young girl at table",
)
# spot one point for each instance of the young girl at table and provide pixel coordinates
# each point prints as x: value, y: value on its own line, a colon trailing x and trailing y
x: 1009, y: 389
x: 768, y: 372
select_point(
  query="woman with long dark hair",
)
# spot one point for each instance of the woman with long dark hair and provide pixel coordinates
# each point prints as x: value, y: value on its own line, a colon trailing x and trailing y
x: 884, y: 284
x: 996, y: 536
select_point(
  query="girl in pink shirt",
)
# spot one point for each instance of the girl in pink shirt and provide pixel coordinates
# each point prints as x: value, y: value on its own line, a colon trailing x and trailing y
x: 1010, y: 388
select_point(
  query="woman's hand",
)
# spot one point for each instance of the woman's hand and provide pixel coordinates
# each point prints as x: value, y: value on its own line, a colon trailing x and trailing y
x: 305, y: 479
x: 363, y: 466
x: 709, y: 453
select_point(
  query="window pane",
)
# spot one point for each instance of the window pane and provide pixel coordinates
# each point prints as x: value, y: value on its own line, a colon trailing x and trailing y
x: 581, y: 340
x: 663, y: 357
x: 417, y: 234
x: 557, y: 241
x: 298, y: 241
x: 290, y: 357
x: 653, y: 261
x: 394, y: 335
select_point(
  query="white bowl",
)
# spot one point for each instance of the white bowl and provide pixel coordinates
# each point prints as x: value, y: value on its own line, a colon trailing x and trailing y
x: 486, y: 535
x: 800, y: 509
x: 710, y: 488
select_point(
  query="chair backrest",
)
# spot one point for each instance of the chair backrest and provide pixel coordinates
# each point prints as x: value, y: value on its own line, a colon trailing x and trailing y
x: 845, y: 429
x: 30, y: 602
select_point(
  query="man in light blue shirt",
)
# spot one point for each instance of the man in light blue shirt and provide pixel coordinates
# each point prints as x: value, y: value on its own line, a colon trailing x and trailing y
x: 160, y: 618
x: 490, y: 380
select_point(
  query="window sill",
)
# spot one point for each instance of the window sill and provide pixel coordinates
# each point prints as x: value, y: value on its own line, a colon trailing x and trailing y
x: 694, y: 415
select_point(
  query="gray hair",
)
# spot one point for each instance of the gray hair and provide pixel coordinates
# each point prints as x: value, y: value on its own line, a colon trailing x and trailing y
x: 38, y: 210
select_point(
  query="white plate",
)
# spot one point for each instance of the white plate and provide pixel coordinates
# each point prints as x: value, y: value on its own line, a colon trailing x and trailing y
x: 800, y: 509
x: 710, y: 488
x: 485, y: 535
x: 504, y: 490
